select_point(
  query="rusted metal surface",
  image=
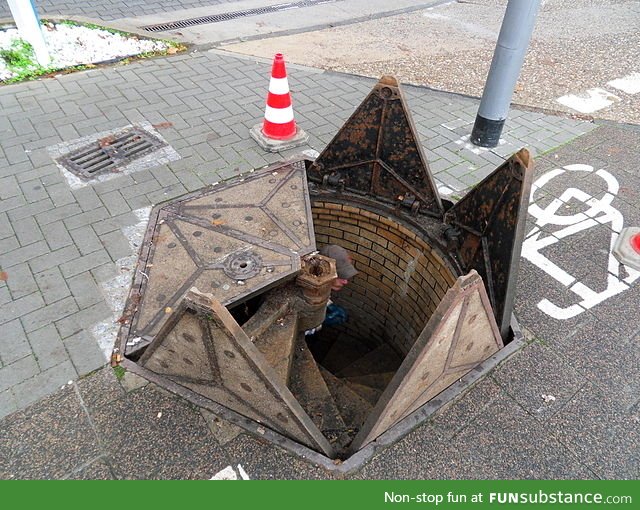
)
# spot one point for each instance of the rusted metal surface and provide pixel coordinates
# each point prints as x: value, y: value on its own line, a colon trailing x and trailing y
x: 203, y: 349
x: 377, y: 152
x: 233, y: 240
x: 315, y: 279
x: 460, y: 334
x: 111, y: 153
x: 490, y: 222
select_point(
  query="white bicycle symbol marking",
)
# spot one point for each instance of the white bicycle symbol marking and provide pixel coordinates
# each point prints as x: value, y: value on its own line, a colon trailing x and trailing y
x: 600, y: 212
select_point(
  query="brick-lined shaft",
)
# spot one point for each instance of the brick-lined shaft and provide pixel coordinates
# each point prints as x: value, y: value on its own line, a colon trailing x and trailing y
x: 401, y: 279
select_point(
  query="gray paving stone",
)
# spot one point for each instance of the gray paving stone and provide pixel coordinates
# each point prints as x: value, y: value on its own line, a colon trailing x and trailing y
x: 98, y: 469
x: 9, y: 244
x: 83, y: 319
x: 33, y: 190
x: 26, y: 210
x: 116, y: 244
x: 84, y: 352
x: 180, y: 437
x: 52, y: 285
x: 59, y: 213
x: 5, y: 295
x: 5, y: 226
x: 87, y: 198
x: 85, y: 263
x: 27, y: 231
x: 15, y: 345
x: 601, y: 432
x: 57, y: 236
x: 86, y: 218
x: 60, y: 194
x: 100, y: 388
x: 43, y: 383
x: 12, y: 203
x: 53, y: 259
x: 47, y: 347
x: 85, y: 290
x: 607, y: 358
x: 18, y: 371
x: 48, y: 314
x: 20, y: 307
x: 7, y: 403
x: 20, y: 281
x: 55, y: 437
x: 86, y: 240
x: 535, y: 371
x: 114, y: 203
x: 457, y: 415
x: 9, y: 188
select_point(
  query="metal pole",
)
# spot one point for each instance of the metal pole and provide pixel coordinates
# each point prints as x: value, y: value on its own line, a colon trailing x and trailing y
x: 28, y: 23
x: 513, y: 41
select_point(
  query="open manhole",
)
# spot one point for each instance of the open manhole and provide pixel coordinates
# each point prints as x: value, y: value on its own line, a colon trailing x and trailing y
x: 111, y: 153
x: 229, y: 280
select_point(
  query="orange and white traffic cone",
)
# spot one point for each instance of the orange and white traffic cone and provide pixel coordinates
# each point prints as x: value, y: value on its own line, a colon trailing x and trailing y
x: 278, y: 130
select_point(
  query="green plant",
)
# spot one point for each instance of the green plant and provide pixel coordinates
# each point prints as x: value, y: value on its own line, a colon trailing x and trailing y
x: 119, y: 372
x: 19, y: 56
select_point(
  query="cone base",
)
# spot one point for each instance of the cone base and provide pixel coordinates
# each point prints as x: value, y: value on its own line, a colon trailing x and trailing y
x: 271, y: 145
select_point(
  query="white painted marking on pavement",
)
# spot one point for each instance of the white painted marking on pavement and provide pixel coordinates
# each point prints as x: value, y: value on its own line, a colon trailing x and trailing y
x: 629, y: 84
x: 116, y: 289
x: 591, y: 101
x: 600, y: 211
x: 229, y: 473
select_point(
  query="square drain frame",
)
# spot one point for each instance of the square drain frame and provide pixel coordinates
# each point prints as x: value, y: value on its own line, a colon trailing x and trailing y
x: 112, y: 162
x: 110, y: 153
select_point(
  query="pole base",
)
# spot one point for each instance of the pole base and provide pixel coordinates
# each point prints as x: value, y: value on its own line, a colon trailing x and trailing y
x: 271, y: 145
x: 486, y: 132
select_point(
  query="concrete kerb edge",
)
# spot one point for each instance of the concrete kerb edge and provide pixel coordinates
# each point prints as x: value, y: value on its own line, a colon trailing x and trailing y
x: 357, y: 460
x: 323, y: 26
x: 122, y: 27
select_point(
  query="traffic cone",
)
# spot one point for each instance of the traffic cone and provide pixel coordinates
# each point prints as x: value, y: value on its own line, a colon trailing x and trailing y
x: 278, y: 130
x: 627, y: 247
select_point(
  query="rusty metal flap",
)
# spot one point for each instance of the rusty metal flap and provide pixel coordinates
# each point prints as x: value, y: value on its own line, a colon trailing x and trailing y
x: 460, y: 334
x: 491, y: 220
x: 378, y: 152
x: 233, y: 240
x: 203, y: 349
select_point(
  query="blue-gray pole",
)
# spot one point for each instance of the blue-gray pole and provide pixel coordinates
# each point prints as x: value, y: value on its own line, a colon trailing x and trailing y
x: 508, y: 58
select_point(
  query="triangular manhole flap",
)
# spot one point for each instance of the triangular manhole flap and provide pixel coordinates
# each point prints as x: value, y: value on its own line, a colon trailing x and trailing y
x: 460, y: 334
x: 491, y: 221
x: 180, y: 351
x: 378, y: 152
x: 241, y: 371
x: 235, y: 239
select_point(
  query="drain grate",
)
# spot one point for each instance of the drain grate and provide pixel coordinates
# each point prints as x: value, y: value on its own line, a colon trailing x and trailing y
x: 110, y: 153
x: 226, y: 16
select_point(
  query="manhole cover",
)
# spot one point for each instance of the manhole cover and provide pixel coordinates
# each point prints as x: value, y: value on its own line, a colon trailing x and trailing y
x: 109, y: 153
x: 233, y: 240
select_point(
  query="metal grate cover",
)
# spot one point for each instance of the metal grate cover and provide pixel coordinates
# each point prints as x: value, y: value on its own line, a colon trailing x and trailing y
x: 110, y: 153
x: 226, y: 16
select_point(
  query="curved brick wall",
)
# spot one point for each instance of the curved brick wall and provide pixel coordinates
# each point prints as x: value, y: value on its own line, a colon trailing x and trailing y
x: 401, y: 278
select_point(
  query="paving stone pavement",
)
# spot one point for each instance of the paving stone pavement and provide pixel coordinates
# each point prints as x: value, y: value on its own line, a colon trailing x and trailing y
x: 110, y: 9
x: 67, y: 254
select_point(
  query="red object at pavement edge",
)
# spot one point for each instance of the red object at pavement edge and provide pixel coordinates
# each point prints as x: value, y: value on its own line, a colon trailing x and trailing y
x: 635, y: 242
x: 279, y: 123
